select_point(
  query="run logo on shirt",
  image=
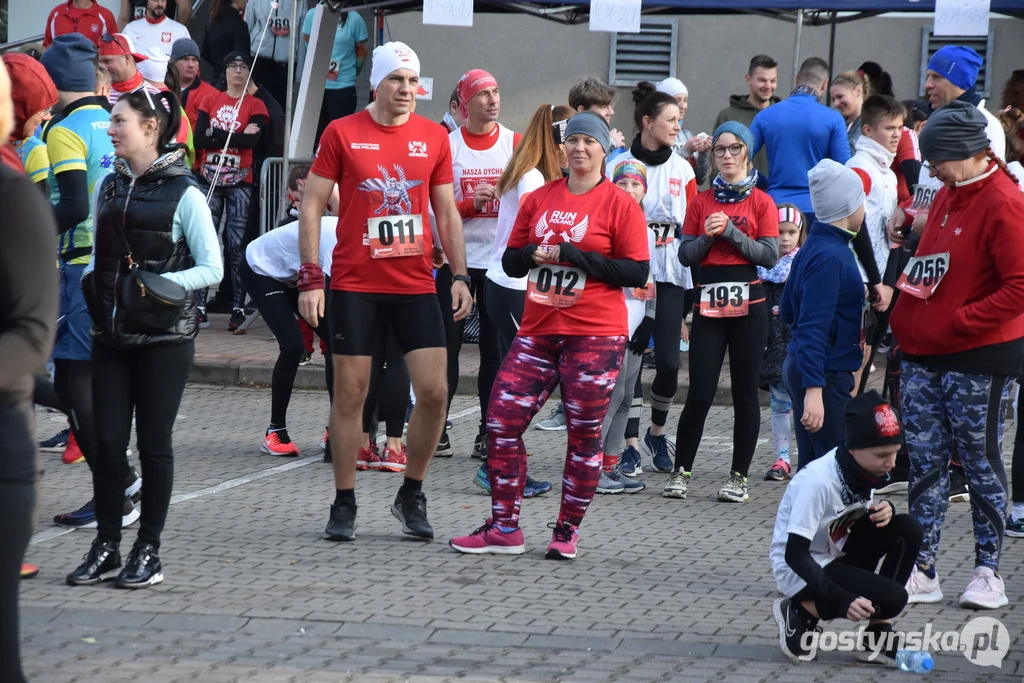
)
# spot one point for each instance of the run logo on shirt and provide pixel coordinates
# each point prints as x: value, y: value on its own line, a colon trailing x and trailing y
x: 575, y: 233
x: 393, y: 191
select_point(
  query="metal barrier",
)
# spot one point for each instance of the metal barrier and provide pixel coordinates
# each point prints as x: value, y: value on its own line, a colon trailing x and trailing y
x: 274, y: 191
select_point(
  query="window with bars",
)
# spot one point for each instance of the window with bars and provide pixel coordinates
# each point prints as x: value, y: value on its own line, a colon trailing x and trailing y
x: 983, y: 45
x: 646, y: 56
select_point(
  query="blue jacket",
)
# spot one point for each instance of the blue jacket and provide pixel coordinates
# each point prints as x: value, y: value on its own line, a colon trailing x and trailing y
x: 823, y: 304
x: 798, y: 133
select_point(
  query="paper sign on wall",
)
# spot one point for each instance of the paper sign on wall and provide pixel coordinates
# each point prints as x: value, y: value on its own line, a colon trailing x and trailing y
x: 426, y: 90
x: 961, y: 17
x: 615, y: 16
x: 448, y: 12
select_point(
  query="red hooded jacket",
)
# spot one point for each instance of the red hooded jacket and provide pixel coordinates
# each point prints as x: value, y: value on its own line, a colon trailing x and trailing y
x: 980, y: 300
x: 32, y: 89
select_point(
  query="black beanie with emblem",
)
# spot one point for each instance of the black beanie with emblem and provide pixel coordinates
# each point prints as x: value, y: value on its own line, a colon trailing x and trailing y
x: 871, y: 422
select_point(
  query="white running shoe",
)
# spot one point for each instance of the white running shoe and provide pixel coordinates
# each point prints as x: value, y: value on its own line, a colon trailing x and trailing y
x: 985, y: 591
x: 922, y: 589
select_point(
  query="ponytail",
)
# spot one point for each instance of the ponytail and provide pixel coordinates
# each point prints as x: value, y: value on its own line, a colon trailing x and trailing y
x: 1001, y: 164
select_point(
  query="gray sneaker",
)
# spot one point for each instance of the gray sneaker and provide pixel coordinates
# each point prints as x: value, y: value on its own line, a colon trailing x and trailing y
x: 555, y: 422
x: 677, y: 484
x: 607, y: 484
x: 735, y: 489
x: 629, y: 485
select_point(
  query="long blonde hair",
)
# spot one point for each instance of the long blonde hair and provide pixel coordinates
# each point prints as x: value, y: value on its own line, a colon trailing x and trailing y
x: 537, y: 150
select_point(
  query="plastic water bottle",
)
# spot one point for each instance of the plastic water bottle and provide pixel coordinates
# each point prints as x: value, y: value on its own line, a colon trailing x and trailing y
x: 915, y: 661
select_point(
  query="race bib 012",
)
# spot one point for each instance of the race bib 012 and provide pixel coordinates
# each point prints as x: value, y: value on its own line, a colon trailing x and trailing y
x: 556, y: 286
x: 395, y: 236
x: 923, y: 274
x: 725, y: 300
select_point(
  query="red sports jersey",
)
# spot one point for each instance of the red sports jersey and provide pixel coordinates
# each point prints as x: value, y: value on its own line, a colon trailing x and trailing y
x: 756, y: 216
x: 383, y: 171
x: 907, y: 150
x: 605, y: 220
x: 91, y: 22
x: 220, y: 107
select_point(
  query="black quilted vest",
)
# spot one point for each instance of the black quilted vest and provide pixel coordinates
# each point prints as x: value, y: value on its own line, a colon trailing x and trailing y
x: 144, y: 207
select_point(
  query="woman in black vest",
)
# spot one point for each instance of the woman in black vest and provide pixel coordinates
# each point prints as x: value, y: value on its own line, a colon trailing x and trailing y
x: 154, y: 244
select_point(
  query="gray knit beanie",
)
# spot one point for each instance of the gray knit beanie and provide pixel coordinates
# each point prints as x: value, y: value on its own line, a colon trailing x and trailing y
x: 836, y: 191
x: 70, y: 61
x: 590, y: 124
x: 955, y: 131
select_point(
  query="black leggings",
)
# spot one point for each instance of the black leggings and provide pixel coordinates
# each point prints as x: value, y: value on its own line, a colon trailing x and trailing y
x: 1017, y: 464
x: 148, y: 381
x: 505, y: 311
x: 388, y: 395
x: 73, y: 384
x: 17, y: 508
x: 279, y: 304
x: 745, y: 339
x: 489, y: 360
x: 670, y: 309
x: 633, y: 423
x: 45, y: 394
x: 898, y: 542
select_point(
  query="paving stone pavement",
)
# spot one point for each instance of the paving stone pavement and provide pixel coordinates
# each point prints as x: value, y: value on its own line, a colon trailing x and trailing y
x: 663, y: 590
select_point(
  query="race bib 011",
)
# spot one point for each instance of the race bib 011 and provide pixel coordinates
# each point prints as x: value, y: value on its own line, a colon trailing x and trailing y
x: 556, y: 286
x: 725, y: 300
x: 923, y: 274
x: 395, y: 236
x: 664, y: 232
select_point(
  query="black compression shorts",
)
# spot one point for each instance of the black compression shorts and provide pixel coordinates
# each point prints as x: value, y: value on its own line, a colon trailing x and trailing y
x: 360, y: 322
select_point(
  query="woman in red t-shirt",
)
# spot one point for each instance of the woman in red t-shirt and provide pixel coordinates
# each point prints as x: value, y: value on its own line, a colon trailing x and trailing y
x: 729, y: 230
x: 579, y: 241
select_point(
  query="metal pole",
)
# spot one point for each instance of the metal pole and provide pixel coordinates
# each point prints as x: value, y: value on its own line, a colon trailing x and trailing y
x: 831, y: 50
x: 288, y: 108
x: 796, y: 47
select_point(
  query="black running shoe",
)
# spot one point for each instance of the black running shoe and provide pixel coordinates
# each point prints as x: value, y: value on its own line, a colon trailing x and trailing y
x: 142, y: 568
x: 411, y: 511
x: 99, y: 564
x: 237, y: 320
x: 958, y: 485
x: 444, y: 447
x: 793, y: 624
x: 342, y: 524
x: 480, y: 447
x: 879, y: 644
x: 57, y: 442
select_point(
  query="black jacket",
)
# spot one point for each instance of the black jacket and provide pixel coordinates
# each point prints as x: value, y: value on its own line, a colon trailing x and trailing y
x: 143, y: 208
x: 224, y: 36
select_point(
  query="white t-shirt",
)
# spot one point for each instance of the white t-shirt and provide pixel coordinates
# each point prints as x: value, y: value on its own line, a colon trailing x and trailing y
x: 161, y: 35
x: 470, y: 167
x: 508, y: 209
x: 994, y: 131
x: 276, y: 254
x: 667, y: 189
x: 813, y: 508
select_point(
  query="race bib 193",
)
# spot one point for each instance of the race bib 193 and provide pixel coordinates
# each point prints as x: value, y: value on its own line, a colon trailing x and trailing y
x: 725, y: 300
x: 395, y: 236
x: 557, y: 286
x: 923, y: 274
x: 664, y: 232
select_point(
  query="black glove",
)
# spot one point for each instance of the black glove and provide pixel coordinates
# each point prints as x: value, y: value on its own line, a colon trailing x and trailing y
x: 642, y: 336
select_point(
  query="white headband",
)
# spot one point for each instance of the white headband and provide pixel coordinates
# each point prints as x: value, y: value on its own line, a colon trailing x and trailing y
x: 672, y: 87
x: 390, y: 57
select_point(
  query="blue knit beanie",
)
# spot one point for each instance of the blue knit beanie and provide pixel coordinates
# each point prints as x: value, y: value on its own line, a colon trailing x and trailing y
x: 737, y: 129
x: 957, y: 64
x: 70, y: 61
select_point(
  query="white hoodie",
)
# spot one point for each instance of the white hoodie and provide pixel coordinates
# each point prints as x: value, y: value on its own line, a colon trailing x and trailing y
x: 875, y: 160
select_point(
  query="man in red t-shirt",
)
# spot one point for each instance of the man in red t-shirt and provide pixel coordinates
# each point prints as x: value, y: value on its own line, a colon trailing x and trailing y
x: 389, y: 164
x: 87, y: 17
x: 230, y: 170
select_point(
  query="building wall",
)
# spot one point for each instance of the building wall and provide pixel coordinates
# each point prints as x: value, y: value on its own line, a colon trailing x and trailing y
x: 535, y: 61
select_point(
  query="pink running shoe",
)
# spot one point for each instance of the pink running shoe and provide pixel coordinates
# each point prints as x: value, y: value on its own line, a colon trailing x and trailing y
x: 490, y: 539
x: 564, y: 541
x: 368, y: 458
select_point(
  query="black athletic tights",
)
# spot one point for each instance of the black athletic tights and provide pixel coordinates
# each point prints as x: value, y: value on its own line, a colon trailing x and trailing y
x: 73, y: 383
x: 388, y: 396
x: 1017, y: 464
x: 745, y: 338
x: 489, y: 357
x: 670, y: 309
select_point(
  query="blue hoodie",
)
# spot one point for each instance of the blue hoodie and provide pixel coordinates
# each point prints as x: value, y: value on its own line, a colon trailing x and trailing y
x: 823, y: 304
x: 798, y: 133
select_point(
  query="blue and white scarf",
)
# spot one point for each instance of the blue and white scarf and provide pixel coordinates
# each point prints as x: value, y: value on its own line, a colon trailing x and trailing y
x: 780, y: 273
x: 732, y: 193
x: 805, y: 90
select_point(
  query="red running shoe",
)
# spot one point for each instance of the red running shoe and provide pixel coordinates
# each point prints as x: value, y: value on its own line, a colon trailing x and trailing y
x: 490, y: 539
x: 392, y: 460
x: 28, y: 570
x: 72, y: 453
x: 368, y: 458
x: 276, y: 442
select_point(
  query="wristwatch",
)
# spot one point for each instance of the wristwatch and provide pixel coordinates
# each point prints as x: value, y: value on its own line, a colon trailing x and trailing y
x: 463, y: 278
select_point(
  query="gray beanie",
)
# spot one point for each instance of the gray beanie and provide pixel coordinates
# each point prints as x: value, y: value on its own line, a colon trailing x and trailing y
x: 70, y: 61
x: 590, y: 124
x: 836, y: 191
x: 955, y: 131
x: 184, y: 47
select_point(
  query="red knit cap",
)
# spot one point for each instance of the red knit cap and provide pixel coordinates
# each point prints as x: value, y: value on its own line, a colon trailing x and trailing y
x: 32, y: 89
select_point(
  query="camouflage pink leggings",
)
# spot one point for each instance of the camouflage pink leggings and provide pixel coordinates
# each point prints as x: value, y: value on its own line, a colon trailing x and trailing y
x: 587, y: 368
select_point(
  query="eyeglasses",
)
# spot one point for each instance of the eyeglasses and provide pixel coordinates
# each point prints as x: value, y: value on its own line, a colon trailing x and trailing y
x: 933, y: 167
x: 238, y: 66
x: 733, y: 150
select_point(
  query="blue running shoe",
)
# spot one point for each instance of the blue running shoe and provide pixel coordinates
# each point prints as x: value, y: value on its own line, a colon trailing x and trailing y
x: 535, y: 488
x: 628, y: 485
x: 1015, y: 527
x: 481, y: 479
x: 82, y: 518
x: 57, y: 442
x: 629, y: 462
x: 661, y: 451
